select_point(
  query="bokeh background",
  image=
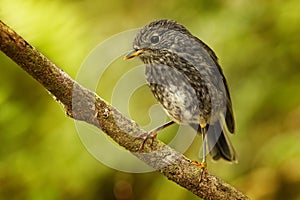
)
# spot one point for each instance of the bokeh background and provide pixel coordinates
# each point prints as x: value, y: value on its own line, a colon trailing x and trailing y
x: 258, y: 43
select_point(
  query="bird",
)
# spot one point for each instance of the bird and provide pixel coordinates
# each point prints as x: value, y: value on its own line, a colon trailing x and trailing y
x: 186, y: 78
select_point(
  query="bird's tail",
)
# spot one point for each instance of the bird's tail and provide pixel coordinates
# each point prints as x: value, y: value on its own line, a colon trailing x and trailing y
x: 218, y: 144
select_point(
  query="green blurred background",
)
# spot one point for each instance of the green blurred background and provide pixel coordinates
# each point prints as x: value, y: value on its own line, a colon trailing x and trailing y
x: 258, y: 43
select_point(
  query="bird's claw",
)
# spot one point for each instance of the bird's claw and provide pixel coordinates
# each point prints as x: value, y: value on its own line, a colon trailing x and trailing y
x: 146, y: 136
x: 203, y: 169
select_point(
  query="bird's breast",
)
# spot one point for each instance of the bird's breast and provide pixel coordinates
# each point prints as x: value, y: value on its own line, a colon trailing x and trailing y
x: 173, y: 89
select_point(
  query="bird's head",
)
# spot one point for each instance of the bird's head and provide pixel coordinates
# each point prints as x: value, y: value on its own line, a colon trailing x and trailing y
x: 159, y: 37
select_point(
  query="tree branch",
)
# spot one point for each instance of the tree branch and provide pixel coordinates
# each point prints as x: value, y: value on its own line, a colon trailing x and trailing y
x: 82, y: 104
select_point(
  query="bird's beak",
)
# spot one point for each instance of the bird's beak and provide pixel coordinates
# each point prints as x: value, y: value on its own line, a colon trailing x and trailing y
x: 133, y: 53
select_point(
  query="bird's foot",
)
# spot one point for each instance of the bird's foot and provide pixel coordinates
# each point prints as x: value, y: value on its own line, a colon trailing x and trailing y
x: 203, y: 169
x: 146, y: 136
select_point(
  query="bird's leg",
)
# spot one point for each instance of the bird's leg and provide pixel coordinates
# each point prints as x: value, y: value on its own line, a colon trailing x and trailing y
x: 203, y: 164
x: 203, y: 132
x: 153, y: 133
x: 204, y: 148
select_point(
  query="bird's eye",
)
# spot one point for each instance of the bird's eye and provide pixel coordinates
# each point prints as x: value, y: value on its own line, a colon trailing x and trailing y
x: 154, y: 39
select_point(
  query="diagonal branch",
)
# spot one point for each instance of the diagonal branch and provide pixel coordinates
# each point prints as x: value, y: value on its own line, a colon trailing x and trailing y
x: 82, y: 104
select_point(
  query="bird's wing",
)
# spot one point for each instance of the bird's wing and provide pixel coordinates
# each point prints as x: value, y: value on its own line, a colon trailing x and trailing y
x: 212, y: 62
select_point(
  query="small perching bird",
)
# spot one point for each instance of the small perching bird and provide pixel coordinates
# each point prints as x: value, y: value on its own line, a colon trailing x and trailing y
x: 184, y: 75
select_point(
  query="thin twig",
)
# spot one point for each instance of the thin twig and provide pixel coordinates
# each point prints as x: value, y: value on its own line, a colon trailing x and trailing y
x: 82, y: 104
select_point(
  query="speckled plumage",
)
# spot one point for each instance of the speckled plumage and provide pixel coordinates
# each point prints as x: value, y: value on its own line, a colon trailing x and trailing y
x: 184, y: 75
